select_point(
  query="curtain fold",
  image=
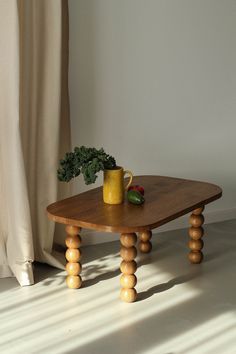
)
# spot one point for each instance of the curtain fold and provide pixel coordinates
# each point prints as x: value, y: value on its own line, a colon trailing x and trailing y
x: 34, y: 129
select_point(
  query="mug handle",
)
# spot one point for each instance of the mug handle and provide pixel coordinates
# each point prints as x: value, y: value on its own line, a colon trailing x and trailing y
x: 130, y: 178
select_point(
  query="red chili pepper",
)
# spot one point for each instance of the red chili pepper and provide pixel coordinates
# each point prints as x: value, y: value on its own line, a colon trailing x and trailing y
x: 136, y: 187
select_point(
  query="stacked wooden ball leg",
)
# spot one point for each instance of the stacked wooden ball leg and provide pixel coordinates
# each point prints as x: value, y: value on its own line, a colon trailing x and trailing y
x: 128, y: 267
x: 145, y: 245
x: 196, y: 232
x: 73, y: 255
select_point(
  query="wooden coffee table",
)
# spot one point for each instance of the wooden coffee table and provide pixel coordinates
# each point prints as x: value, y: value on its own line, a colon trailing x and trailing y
x: 166, y: 199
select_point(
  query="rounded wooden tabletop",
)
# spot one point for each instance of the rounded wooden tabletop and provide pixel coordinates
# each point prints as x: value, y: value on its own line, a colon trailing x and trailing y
x: 166, y: 198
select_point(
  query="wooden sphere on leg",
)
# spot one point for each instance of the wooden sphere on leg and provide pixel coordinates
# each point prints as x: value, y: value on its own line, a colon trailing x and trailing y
x: 128, y: 295
x: 73, y: 281
x: 128, y: 281
x: 128, y: 267
x: 195, y: 245
x: 73, y: 241
x: 196, y: 232
x: 145, y: 247
x: 145, y: 236
x: 73, y: 255
x: 195, y: 257
x: 128, y: 254
x: 196, y: 220
x: 73, y: 268
x: 128, y: 240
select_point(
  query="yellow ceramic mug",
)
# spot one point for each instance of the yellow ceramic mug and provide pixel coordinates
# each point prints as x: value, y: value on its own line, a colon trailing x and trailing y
x: 113, y: 185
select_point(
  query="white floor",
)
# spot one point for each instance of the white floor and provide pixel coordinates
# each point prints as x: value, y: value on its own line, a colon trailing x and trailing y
x: 182, y: 308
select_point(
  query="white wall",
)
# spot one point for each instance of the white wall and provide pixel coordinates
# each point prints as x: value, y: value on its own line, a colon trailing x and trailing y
x: 154, y: 83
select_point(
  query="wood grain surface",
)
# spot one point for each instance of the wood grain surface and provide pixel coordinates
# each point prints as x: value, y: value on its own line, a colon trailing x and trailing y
x: 166, y: 198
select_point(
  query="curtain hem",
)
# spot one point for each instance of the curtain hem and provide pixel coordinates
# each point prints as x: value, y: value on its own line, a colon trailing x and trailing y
x: 23, y: 272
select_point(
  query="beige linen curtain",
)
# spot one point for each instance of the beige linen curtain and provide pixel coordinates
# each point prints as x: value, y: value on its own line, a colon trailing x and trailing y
x: 34, y: 129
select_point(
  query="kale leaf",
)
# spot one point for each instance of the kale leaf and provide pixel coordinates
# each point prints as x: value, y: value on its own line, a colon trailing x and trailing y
x: 88, y: 161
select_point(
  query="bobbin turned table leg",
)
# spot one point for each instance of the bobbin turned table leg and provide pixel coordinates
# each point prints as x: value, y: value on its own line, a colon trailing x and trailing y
x: 196, y: 232
x: 73, y: 255
x: 128, y: 267
x: 145, y: 245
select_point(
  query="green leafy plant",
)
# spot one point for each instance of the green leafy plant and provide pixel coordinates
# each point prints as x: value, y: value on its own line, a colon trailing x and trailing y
x: 88, y: 161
